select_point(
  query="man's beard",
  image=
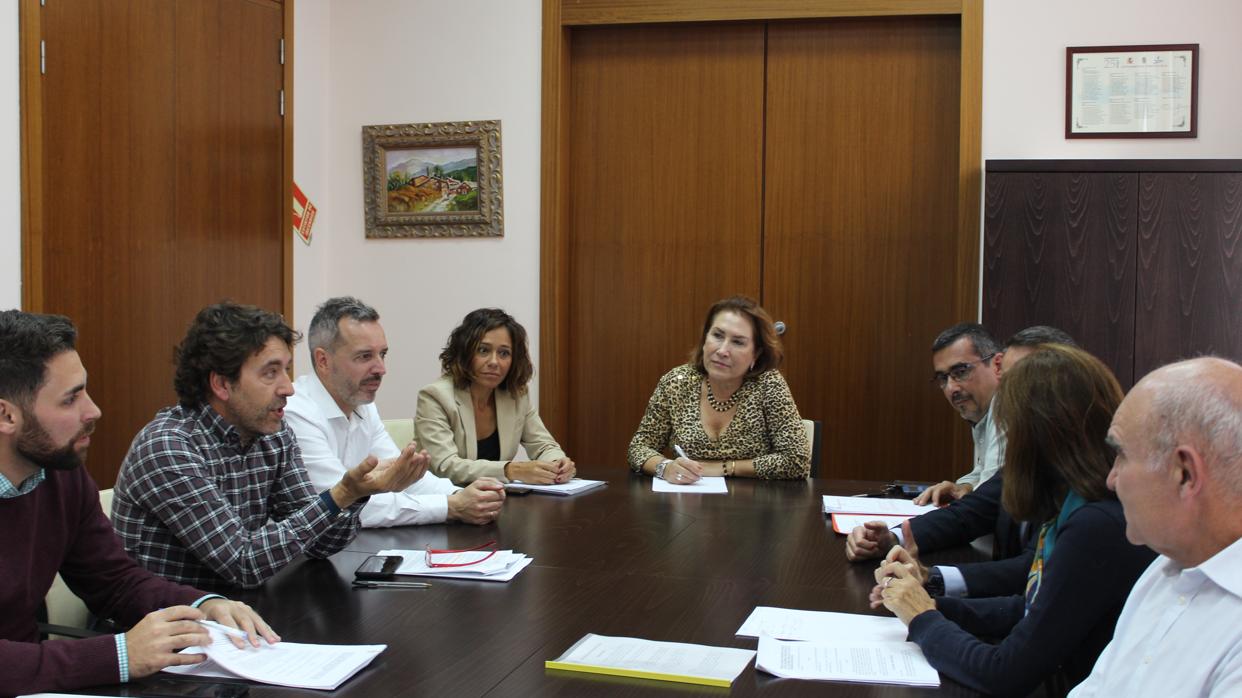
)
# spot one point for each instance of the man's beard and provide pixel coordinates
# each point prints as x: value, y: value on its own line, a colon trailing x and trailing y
x: 35, y: 445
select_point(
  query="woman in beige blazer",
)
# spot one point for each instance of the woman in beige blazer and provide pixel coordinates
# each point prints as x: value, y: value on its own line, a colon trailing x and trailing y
x: 472, y: 419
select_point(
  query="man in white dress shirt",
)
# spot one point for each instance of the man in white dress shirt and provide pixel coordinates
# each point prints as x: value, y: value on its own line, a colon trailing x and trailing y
x: 1178, y: 474
x: 333, y: 415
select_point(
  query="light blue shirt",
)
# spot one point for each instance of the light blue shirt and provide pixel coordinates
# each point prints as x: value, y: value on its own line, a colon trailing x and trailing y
x: 8, y: 491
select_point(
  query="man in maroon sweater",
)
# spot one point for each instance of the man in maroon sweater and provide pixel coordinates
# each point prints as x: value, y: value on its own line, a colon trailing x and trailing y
x: 52, y: 522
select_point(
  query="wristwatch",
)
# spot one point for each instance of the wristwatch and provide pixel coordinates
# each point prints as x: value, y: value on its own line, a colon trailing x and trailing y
x: 935, y: 583
x: 659, y: 471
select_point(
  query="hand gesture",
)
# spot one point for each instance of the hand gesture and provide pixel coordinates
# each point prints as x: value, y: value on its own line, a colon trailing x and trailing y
x: 869, y: 541
x: 907, y: 557
x: 900, y: 592
x: 533, y: 472
x: 372, y: 477
x: 153, y: 643
x: 236, y: 614
x: 942, y: 493
x: 683, y: 471
x: 565, y: 470
x: 479, y: 503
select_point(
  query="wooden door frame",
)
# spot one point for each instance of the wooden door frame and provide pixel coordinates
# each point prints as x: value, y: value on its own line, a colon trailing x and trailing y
x: 560, y: 17
x: 32, y: 165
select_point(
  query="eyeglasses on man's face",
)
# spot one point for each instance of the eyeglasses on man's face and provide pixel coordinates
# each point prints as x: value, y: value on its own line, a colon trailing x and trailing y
x: 960, y: 373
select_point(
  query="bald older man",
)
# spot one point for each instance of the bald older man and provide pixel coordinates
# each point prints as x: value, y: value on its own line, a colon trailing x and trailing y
x: 1178, y: 474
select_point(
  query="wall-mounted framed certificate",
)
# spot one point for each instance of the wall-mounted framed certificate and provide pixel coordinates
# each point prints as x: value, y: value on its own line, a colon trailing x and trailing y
x: 1132, y: 91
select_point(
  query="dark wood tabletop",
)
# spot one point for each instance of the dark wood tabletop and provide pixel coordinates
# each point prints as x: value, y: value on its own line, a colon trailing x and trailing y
x: 619, y: 560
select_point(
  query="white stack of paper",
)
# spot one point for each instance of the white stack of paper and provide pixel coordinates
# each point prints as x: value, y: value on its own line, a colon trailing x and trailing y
x: 648, y: 659
x: 821, y: 626
x: 574, y: 486
x: 704, y: 485
x: 834, y: 504
x: 830, y: 646
x: 850, y: 512
x: 847, y: 660
x: 469, y: 564
x: 322, y: 667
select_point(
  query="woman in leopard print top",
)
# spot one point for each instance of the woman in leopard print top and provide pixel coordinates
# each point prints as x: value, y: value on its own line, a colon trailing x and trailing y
x: 730, y: 409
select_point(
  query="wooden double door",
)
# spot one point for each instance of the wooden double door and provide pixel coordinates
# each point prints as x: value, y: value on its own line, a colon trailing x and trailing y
x: 155, y: 181
x: 813, y: 165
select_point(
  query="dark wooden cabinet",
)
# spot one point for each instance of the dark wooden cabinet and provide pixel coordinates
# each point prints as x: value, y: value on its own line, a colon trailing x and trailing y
x: 1139, y: 260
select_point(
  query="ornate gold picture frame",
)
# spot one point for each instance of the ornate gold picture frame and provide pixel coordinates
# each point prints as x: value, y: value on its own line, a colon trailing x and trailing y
x: 432, y: 180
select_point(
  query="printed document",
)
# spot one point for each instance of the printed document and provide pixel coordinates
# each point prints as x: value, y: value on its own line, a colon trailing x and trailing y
x: 847, y: 660
x: 574, y: 486
x: 874, y: 505
x: 648, y: 659
x: 821, y: 626
x: 323, y: 667
x: 481, y: 565
x: 844, y: 523
x: 704, y: 485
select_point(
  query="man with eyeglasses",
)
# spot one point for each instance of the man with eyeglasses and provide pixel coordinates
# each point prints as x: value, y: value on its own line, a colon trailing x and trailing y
x: 967, y: 368
x: 972, y: 516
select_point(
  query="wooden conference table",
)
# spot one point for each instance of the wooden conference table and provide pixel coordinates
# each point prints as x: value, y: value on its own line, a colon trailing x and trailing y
x: 620, y: 560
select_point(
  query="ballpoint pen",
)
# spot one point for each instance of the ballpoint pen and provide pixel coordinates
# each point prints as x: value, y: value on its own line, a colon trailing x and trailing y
x: 680, y: 452
x: 363, y: 584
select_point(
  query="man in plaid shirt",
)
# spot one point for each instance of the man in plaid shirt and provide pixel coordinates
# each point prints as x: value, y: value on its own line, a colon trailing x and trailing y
x: 213, y: 491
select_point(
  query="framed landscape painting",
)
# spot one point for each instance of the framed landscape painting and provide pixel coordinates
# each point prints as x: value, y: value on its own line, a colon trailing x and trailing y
x: 432, y: 180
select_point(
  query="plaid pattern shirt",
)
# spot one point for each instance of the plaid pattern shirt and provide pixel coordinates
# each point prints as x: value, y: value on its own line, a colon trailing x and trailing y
x: 192, y: 505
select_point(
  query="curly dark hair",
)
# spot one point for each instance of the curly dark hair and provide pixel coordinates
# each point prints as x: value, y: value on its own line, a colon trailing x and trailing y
x: 27, y: 342
x: 768, y: 349
x: 463, y: 342
x: 220, y: 340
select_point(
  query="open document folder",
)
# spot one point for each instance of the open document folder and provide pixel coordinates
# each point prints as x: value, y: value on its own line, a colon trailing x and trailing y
x: 322, y: 667
x: 485, y: 565
x: 648, y: 659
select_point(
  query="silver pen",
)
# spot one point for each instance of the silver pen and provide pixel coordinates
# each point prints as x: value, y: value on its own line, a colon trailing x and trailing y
x: 364, y: 584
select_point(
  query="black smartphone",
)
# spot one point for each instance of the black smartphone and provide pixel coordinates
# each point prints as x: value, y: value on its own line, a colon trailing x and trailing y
x: 379, y: 567
x: 910, y: 490
x: 160, y: 687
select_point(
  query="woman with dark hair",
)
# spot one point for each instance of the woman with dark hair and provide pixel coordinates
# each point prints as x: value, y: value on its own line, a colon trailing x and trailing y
x: 1055, y: 407
x: 729, y: 410
x: 472, y: 419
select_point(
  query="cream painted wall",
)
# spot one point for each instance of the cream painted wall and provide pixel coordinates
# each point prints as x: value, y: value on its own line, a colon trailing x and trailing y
x: 405, y: 61
x: 10, y: 163
x: 1024, y: 73
x: 340, y: 86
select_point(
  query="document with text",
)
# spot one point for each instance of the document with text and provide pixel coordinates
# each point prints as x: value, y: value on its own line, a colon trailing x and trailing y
x: 834, y: 504
x: 649, y: 659
x: 321, y: 667
x: 704, y: 485
x: 821, y: 626
x: 847, y: 660
x: 481, y: 565
x: 844, y: 523
x: 574, y: 486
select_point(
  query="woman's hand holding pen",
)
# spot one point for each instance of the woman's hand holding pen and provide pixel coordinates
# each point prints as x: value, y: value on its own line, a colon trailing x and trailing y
x: 683, y: 471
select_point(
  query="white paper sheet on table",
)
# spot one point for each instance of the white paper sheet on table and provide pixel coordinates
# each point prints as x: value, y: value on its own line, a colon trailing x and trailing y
x: 665, y: 661
x: 704, y: 485
x: 874, y: 505
x: 322, y: 667
x: 844, y: 523
x: 821, y: 626
x: 501, y: 567
x: 574, y: 486
x: 845, y: 659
